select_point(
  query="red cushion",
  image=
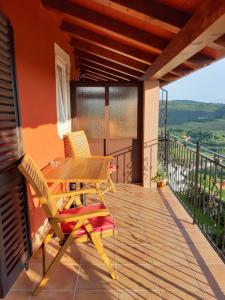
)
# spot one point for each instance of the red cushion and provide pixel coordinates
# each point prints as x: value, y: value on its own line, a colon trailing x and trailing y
x: 112, y: 169
x: 99, y: 224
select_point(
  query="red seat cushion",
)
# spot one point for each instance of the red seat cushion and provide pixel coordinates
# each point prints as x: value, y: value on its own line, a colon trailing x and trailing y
x: 112, y: 169
x: 99, y: 224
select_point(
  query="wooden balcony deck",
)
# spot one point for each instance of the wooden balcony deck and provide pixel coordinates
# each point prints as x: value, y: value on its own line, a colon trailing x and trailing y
x: 158, y: 254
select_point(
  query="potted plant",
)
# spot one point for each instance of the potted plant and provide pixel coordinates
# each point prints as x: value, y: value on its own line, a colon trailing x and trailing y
x: 161, y: 177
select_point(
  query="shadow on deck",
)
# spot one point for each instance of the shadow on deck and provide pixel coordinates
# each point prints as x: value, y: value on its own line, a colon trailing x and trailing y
x: 158, y: 254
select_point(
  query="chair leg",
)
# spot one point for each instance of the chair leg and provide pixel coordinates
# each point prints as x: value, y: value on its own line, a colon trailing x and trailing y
x: 99, y: 247
x: 112, y: 185
x: 100, y: 193
x: 47, y: 273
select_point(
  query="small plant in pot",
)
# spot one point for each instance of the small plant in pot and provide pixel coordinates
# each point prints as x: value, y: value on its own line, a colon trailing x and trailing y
x: 161, y: 178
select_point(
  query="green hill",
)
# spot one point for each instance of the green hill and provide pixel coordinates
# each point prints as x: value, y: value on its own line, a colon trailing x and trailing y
x: 204, y: 122
x: 182, y: 111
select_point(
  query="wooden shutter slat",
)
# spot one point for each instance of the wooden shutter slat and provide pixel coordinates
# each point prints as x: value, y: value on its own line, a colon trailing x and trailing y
x: 6, y: 85
x: 6, y: 109
x: 4, y: 75
x: 3, y: 29
x: 7, y: 116
x: 4, y: 53
x: 6, y: 101
x: 5, y: 68
x: 15, y: 261
x: 11, y: 232
x: 3, y: 21
x: 13, y: 241
x: 7, y: 164
x: 15, y: 247
x: 4, y: 45
x: 7, y: 125
x: 4, y: 200
x: 4, y: 36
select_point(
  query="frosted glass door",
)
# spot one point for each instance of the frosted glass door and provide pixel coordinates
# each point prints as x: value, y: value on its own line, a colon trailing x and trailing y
x: 123, y: 102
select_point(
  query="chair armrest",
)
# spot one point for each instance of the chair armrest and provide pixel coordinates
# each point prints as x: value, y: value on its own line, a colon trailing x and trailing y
x: 84, y: 216
x: 74, y: 193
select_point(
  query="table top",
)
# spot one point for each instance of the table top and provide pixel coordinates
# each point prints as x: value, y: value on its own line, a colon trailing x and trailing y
x: 85, y: 170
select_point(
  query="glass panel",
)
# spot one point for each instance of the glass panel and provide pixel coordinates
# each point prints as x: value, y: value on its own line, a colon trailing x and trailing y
x: 123, y: 112
x: 90, y: 111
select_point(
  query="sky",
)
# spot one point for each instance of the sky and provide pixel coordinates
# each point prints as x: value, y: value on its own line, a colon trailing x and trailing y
x: 206, y: 85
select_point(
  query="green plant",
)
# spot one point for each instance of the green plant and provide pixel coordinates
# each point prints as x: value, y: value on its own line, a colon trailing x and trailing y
x: 160, y: 175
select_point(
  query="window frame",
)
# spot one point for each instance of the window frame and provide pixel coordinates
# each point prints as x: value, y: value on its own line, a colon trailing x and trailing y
x: 62, y: 60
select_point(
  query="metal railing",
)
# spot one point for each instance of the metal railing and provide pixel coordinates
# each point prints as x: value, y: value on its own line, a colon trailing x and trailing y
x: 197, y: 177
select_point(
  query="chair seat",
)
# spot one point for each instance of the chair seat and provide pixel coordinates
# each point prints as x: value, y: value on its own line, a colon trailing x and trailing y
x: 112, y: 168
x: 99, y: 224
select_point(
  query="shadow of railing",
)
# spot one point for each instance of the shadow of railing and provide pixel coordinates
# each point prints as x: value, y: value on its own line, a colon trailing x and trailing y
x: 124, y: 165
x: 150, y: 160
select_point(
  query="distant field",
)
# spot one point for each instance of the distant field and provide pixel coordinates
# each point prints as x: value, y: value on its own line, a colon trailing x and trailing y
x: 212, y: 125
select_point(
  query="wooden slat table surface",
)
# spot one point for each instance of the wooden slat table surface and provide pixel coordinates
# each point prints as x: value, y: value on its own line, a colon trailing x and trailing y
x: 79, y: 170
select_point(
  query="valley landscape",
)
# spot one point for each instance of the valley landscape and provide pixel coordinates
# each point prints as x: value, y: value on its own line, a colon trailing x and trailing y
x: 198, y: 121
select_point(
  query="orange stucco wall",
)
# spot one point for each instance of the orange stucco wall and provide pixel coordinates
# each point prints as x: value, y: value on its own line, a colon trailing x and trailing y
x: 35, y: 32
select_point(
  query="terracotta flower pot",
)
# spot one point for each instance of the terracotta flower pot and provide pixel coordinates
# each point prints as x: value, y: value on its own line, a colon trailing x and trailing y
x: 162, y: 183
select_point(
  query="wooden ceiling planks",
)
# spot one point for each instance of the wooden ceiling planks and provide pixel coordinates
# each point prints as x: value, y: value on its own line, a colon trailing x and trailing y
x: 107, y: 36
x: 109, y: 55
x: 90, y: 71
x: 104, y: 69
x: 108, y: 43
x: 109, y: 64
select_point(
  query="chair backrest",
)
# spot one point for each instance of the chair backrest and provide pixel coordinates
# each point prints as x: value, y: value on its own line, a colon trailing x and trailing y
x: 33, y: 174
x: 78, y: 144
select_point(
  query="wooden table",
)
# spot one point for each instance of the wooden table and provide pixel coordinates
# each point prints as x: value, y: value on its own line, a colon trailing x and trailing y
x: 93, y: 170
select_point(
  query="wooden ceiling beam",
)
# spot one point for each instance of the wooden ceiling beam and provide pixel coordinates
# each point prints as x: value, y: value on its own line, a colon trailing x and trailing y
x: 94, y: 76
x: 102, y: 23
x: 83, y: 76
x: 108, y: 43
x: 118, y: 47
x: 205, y: 26
x: 106, y: 63
x: 152, y: 12
x: 95, y: 72
x: 106, y: 70
x: 108, y: 54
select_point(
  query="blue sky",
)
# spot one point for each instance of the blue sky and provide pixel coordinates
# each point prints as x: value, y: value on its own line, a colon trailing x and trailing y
x: 207, y: 85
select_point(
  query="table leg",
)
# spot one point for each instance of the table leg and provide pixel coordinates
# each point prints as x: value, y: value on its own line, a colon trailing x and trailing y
x: 72, y: 187
x: 83, y: 196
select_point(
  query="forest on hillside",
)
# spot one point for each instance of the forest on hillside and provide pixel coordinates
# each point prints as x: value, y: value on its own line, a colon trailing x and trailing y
x: 198, y: 121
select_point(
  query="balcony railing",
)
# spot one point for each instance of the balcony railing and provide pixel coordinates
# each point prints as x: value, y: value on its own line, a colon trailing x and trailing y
x: 197, y: 177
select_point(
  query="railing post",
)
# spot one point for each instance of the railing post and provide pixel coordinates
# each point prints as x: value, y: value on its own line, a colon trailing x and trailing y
x: 196, y: 180
x: 167, y: 151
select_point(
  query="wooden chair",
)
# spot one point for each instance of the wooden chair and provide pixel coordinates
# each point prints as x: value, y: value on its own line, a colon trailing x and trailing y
x: 77, y: 146
x: 75, y: 225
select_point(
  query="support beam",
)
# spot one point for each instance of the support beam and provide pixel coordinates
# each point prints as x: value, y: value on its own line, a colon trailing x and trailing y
x: 205, y: 26
x: 150, y: 131
x: 102, y: 23
x: 108, y: 43
x: 151, y: 12
x: 109, y: 55
x: 104, y: 62
x: 108, y: 71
